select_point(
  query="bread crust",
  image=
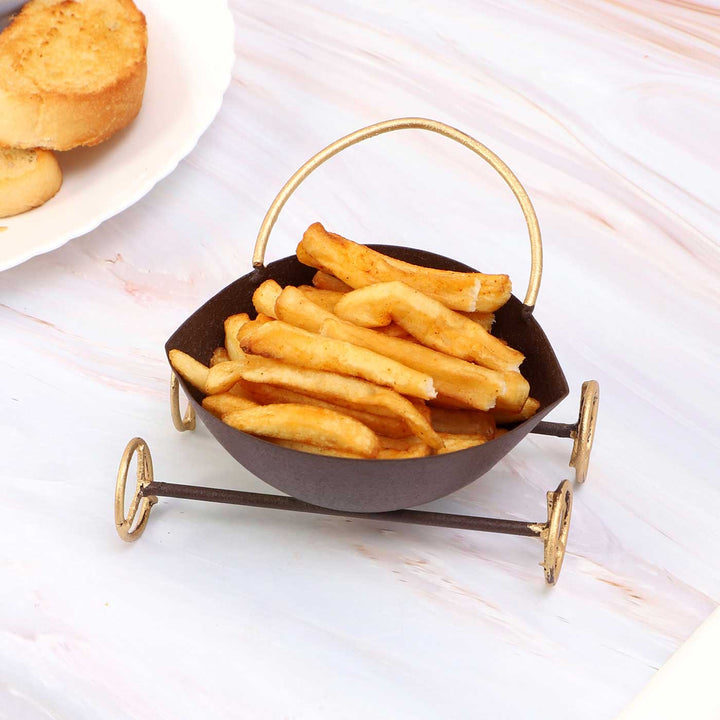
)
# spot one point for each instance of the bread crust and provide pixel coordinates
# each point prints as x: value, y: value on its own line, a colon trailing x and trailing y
x: 28, y: 178
x: 58, y: 120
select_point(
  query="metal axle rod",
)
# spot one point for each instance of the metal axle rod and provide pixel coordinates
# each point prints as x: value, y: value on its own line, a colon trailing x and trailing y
x: 283, y: 502
x: 130, y: 527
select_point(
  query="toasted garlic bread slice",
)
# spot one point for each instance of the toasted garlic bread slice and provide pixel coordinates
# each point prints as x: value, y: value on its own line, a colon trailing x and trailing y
x: 72, y: 72
x: 28, y: 178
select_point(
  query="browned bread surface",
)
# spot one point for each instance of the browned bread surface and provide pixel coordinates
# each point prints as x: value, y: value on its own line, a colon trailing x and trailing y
x: 72, y: 72
x: 27, y: 179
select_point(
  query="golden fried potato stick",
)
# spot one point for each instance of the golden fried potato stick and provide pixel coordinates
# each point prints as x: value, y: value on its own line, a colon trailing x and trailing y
x: 339, y: 389
x: 190, y: 369
x: 305, y: 259
x: 394, y: 330
x: 265, y: 296
x: 405, y: 443
x: 305, y: 423
x: 294, y: 308
x: 249, y: 328
x: 299, y: 347
x: 419, y: 450
x: 223, y: 403
x: 505, y: 417
x: 326, y: 299
x: 390, y: 451
x: 243, y: 389
x: 232, y: 325
x: 471, y: 384
x: 323, y: 280
x: 220, y: 354
x: 316, y: 450
x: 429, y: 321
x: 463, y: 422
x: 512, y: 398
x: 484, y: 319
x: 448, y: 403
x: 383, y: 425
x: 414, y: 451
x: 454, y: 442
x: 359, y: 266
x: 516, y: 392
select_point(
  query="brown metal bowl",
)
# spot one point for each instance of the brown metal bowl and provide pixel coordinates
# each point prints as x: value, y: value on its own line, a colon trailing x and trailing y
x: 366, y: 485
x: 375, y: 485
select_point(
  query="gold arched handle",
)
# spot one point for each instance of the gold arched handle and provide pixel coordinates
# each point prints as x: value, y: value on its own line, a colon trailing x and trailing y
x: 139, y: 504
x: 585, y: 432
x: 405, y: 124
x: 181, y: 423
x: 555, y: 532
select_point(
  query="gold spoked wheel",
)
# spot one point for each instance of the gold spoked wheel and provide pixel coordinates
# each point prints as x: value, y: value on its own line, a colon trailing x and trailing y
x: 140, y: 505
x: 181, y: 423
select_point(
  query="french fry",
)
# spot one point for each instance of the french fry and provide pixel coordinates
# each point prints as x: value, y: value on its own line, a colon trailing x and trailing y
x: 299, y: 347
x: 304, y: 423
x: 249, y: 328
x: 505, y: 417
x: 383, y: 425
x: 359, y: 266
x: 418, y: 450
x: 243, y: 389
x: 327, y: 385
x: 326, y: 299
x: 484, y: 319
x: 421, y: 407
x: 189, y: 369
x: 305, y: 258
x: 220, y: 354
x: 294, y: 308
x: 463, y: 422
x: 225, y: 377
x: 232, y: 325
x: 448, y: 403
x: 516, y: 392
x: 326, y: 281
x: 511, y: 399
x: 224, y: 403
x: 429, y: 321
x: 394, y: 330
x: 421, y: 450
x: 454, y: 442
x: 265, y: 296
x: 405, y: 443
x: 475, y: 386
x: 315, y: 449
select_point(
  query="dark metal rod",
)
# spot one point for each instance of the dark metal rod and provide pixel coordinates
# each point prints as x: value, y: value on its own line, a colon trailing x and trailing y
x: 564, y: 430
x: 282, y: 502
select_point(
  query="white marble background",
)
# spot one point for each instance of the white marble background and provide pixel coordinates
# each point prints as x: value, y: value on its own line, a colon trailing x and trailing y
x: 609, y: 112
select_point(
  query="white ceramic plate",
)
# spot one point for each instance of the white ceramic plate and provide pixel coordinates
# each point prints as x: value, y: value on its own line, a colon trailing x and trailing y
x: 190, y: 59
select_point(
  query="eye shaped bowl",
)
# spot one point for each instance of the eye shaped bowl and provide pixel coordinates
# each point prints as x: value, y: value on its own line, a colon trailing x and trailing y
x: 353, y: 485
x: 366, y: 485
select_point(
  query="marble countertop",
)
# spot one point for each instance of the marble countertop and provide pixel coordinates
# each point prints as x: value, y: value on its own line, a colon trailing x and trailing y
x: 609, y: 113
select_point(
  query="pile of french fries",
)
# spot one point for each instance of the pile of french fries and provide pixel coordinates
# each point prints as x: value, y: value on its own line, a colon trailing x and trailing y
x: 378, y: 359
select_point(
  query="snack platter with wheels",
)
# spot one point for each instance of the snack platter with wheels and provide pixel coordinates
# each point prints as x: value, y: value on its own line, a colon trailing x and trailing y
x: 323, y: 476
